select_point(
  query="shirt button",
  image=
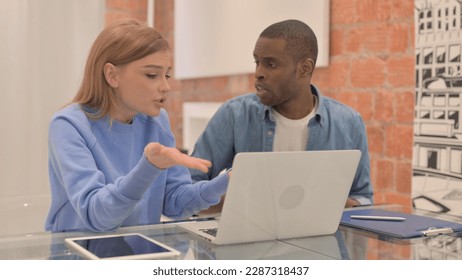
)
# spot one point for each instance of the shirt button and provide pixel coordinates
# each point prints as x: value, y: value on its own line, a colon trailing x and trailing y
x: 270, y: 132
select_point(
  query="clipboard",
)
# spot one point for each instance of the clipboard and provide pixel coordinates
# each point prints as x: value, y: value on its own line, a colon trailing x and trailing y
x: 412, y: 227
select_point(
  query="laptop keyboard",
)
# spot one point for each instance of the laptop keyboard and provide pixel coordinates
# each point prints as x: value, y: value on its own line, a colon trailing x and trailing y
x: 210, y: 231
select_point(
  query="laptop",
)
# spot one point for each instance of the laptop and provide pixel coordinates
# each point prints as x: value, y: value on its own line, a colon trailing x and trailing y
x: 282, y: 195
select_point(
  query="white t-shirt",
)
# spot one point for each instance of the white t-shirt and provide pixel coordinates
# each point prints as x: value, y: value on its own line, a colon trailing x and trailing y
x: 292, y: 135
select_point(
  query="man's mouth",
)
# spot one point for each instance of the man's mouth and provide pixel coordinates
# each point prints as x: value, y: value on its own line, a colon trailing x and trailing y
x: 260, y: 88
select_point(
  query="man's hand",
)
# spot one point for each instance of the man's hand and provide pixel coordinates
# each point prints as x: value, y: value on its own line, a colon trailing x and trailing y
x: 351, y: 203
x: 164, y: 157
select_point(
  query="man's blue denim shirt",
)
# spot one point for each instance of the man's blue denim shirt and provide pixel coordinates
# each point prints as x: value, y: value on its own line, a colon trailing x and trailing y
x: 243, y: 124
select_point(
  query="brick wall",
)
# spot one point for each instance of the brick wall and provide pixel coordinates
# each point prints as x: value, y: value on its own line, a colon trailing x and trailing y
x: 371, y: 68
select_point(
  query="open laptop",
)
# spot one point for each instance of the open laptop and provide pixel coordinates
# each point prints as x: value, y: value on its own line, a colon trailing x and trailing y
x: 281, y: 195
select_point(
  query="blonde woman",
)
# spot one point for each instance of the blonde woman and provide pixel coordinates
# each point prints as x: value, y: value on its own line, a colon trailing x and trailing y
x: 112, y: 155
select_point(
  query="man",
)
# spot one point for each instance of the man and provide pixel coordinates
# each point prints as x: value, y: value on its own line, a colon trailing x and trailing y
x: 286, y: 113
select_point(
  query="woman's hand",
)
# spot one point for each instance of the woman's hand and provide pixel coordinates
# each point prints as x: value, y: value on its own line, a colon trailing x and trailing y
x: 164, y: 157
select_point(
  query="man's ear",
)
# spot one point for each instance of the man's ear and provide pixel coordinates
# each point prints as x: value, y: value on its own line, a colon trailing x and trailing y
x: 110, y: 74
x: 306, y: 67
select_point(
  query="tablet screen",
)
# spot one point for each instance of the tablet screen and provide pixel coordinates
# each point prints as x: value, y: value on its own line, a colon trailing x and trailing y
x: 119, y: 246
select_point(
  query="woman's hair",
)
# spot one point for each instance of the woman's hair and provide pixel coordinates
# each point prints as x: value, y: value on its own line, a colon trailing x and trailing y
x: 300, y: 38
x: 121, y: 42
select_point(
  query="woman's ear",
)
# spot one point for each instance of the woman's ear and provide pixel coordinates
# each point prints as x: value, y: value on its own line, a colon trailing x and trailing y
x: 110, y: 74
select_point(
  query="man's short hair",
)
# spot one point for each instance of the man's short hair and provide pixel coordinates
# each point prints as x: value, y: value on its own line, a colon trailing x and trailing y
x: 300, y: 38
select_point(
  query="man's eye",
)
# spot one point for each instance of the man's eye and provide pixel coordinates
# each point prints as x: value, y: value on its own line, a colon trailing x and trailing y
x: 151, y: 76
x: 272, y: 64
x: 167, y: 76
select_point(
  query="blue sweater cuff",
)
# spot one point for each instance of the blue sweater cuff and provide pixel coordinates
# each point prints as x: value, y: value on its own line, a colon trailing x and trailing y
x: 135, y: 184
x: 211, y: 191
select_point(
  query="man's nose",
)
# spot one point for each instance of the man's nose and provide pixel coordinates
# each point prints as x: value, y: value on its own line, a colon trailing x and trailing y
x: 259, y: 75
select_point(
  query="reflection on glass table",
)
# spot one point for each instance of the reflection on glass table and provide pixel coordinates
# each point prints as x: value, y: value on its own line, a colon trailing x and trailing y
x: 346, y: 243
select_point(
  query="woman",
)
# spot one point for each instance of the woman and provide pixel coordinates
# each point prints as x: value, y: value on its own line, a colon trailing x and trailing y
x: 112, y: 155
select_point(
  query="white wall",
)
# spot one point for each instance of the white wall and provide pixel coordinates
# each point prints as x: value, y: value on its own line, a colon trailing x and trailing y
x: 214, y: 38
x: 196, y: 116
x: 42, y: 54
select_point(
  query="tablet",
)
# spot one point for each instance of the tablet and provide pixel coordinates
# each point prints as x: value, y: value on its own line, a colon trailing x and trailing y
x: 131, y: 246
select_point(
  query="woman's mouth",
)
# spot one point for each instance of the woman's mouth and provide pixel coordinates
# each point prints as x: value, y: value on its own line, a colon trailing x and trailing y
x: 161, y: 100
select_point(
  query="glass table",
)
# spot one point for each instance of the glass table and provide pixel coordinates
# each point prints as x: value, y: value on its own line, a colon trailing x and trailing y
x: 346, y: 243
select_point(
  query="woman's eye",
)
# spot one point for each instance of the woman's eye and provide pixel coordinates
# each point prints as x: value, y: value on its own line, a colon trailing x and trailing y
x: 151, y: 76
x: 167, y: 76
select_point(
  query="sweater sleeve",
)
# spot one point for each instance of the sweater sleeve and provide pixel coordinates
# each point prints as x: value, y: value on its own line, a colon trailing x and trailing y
x: 184, y: 198
x: 100, y: 205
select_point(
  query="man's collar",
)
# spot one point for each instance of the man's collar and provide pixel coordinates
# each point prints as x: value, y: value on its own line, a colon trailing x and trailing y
x: 267, y: 109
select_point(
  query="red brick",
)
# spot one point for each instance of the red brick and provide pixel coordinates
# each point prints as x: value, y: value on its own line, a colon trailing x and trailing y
x: 373, y: 10
x: 368, y: 72
x: 348, y: 98
x: 118, y: 14
x: 404, y: 105
x: 238, y: 84
x: 384, y: 176
x: 342, y: 12
x: 366, y: 105
x: 403, y: 177
x: 399, y: 141
x: 402, y: 9
x: 400, y: 199
x: 339, y: 73
x: 375, y: 37
x: 353, y: 40
x: 111, y: 16
x: 379, y: 197
x: 334, y: 94
x: 164, y: 16
x: 400, y: 38
x: 115, y: 4
x: 384, y: 107
x: 127, y: 5
x: 337, y: 42
x: 401, y: 71
x: 216, y: 83
x: 320, y: 78
x: 375, y: 139
x: 137, y: 5
x: 251, y: 82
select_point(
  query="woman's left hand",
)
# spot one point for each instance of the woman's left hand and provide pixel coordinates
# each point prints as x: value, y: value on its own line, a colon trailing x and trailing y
x: 164, y: 157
